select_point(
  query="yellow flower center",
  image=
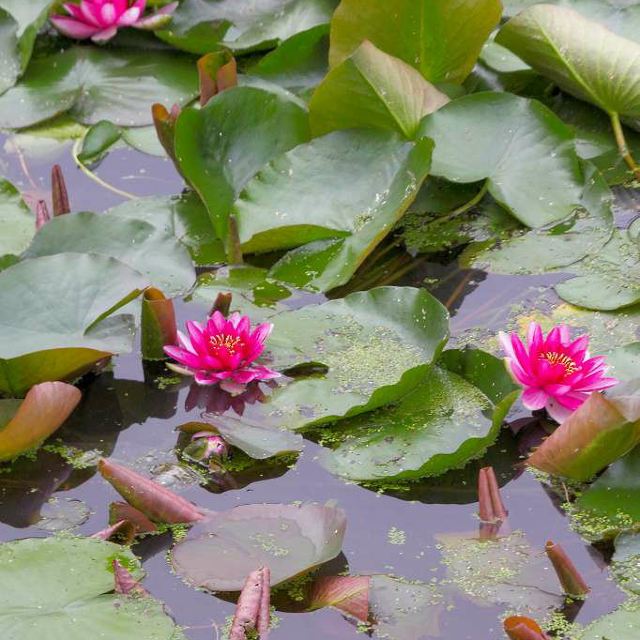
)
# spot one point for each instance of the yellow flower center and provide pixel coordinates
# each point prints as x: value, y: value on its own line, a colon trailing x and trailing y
x: 227, y: 341
x: 553, y: 357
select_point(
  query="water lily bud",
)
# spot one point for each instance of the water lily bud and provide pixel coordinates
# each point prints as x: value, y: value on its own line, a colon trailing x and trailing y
x: 207, y: 446
x: 59, y: 194
x: 570, y: 579
x: 42, y: 214
x: 158, y: 324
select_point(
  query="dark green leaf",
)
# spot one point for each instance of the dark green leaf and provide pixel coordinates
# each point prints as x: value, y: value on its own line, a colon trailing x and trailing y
x: 98, y: 140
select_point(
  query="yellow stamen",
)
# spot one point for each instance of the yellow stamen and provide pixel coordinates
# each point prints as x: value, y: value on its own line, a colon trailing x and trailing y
x: 227, y: 341
x: 552, y: 357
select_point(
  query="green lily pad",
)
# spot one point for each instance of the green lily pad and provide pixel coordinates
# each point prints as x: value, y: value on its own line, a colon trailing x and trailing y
x: 220, y: 552
x: 441, y: 40
x: 622, y: 624
x: 183, y: 216
x: 332, y: 187
x: 452, y: 417
x: 56, y: 315
x: 17, y: 223
x: 299, y: 63
x: 607, y: 280
x: 98, y: 140
x: 93, y: 84
x: 624, y: 362
x: 136, y: 243
x: 522, y: 150
x: 254, y: 293
x: 201, y: 26
x: 327, y: 264
x: 506, y: 571
x: 612, y: 503
x: 372, y: 89
x: 502, y: 247
x: 62, y: 588
x: 221, y: 146
x: 625, y: 565
x: 19, y: 25
x: 580, y: 55
x: 377, y: 346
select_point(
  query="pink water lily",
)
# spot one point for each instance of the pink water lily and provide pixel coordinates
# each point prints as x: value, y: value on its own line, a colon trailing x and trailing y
x: 101, y: 19
x: 557, y: 373
x: 222, y: 350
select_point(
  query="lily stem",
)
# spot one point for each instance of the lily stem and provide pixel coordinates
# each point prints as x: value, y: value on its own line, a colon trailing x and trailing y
x: 621, y: 141
x: 467, y: 205
x: 92, y: 176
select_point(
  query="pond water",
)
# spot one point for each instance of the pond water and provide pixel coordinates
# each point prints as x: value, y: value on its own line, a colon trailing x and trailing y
x: 130, y: 414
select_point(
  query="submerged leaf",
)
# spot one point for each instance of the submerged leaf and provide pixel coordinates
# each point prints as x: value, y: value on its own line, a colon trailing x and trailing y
x: 603, y: 429
x: 222, y: 550
x: 24, y: 425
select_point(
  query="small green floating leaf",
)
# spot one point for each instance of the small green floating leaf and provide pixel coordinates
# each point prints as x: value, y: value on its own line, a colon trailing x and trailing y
x: 98, y: 140
x: 62, y: 588
x: 450, y: 418
x: 57, y: 317
x: 93, y: 84
x: 524, y: 152
x: 372, y: 89
x: 441, y: 40
x: 220, y: 552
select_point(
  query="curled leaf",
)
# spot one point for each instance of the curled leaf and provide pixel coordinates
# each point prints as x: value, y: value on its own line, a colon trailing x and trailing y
x: 222, y: 303
x: 350, y: 594
x: 25, y: 424
x: 165, y: 123
x: 155, y: 501
x: 122, y: 528
x: 121, y: 511
x: 252, y: 612
x: 599, y: 432
x: 523, y: 628
x: 570, y: 579
x: 158, y: 324
x: 125, y: 583
x: 217, y: 71
x: 59, y: 194
x: 491, y: 507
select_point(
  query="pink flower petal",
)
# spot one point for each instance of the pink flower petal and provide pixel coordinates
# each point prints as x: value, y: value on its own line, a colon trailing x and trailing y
x: 104, y: 35
x: 129, y: 17
x: 183, y: 357
x: 185, y: 342
x: 557, y: 411
x: 73, y: 28
x: 534, y: 398
x: 92, y: 13
x: 108, y: 13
